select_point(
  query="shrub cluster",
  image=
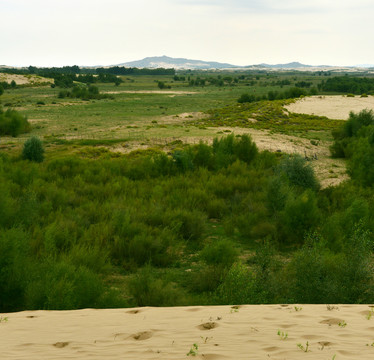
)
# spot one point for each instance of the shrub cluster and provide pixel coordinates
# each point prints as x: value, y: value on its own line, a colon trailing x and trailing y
x: 13, y: 123
x: 85, y: 93
x: 291, y: 93
x: 170, y: 228
x: 354, y: 140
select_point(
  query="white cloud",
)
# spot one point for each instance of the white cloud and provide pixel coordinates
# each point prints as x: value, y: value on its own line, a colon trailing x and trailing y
x: 49, y: 32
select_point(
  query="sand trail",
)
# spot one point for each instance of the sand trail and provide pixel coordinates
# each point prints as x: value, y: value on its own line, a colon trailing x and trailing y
x: 219, y: 332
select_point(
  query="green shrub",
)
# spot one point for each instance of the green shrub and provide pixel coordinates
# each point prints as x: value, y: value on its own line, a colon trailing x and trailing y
x: 298, y: 172
x: 190, y: 225
x: 246, y: 98
x: 62, y: 286
x: 221, y: 252
x: 148, y: 290
x: 238, y: 287
x: 300, y: 214
x: 33, y: 150
x: 13, y: 123
x: 13, y: 269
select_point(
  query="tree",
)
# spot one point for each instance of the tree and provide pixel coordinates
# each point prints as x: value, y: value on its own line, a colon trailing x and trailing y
x: 33, y: 149
x: 1, y: 90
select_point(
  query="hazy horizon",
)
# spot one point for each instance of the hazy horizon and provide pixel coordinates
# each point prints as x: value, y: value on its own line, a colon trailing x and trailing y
x: 238, y: 32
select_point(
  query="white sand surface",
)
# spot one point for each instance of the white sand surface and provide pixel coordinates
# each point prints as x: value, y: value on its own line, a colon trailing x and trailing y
x: 333, y: 107
x: 220, y: 332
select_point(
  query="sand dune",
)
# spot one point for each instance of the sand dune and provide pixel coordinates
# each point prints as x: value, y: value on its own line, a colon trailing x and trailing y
x: 333, y: 107
x: 219, y: 332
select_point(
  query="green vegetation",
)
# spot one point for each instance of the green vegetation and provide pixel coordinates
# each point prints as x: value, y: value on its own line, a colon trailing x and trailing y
x: 349, y: 84
x: 13, y: 123
x: 69, y: 226
x: 268, y: 115
x: 33, y: 150
x: 355, y: 141
x: 84, y: 93
x: 178, y: 224
x: 291, y: 93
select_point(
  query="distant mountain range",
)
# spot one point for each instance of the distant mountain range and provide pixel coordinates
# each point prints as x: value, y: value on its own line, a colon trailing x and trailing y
x: 176, y: 63
x: 182, y: 63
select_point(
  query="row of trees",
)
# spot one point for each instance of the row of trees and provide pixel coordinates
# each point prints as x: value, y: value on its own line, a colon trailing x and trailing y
x: 349, y: 84
x: 291, y: 93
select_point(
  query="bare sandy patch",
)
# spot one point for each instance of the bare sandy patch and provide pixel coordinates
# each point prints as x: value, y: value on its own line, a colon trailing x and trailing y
x: 24, y: 79
x: 210, y: 332
x: 173, y: 119
x: 333, y: 107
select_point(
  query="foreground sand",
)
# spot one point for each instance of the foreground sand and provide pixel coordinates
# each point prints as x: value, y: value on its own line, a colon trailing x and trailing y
x: 219, y: 332
x: 333, y: 107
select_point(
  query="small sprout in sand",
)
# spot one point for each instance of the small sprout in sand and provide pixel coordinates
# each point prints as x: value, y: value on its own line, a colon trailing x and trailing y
x: 206, y: 339
x: 194, y: 350
x: 298, y: 308
x: 342, y: 324
x: 3, y: 319
x: 371, y: 313
x: 283, y: 335
x: 372, y: 344
x: 304, y: 348
x: 333, y: 358
x: 234, y: 308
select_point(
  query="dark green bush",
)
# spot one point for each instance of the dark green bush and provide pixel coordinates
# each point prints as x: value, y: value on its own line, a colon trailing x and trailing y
x: 221, y: 252
x: 13, y: 123
x: 298, y: 172
x: 148, y: 290
x: 33, y: 149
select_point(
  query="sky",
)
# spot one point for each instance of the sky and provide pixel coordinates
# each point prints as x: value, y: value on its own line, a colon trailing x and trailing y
x: 239, y: 32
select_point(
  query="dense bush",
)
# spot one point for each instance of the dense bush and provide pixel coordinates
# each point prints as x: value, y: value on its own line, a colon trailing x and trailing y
x: 13, y: 123
x: 85, y: 93
x: 349, y: 84
x: 298, y: 172
x: 33, y: 149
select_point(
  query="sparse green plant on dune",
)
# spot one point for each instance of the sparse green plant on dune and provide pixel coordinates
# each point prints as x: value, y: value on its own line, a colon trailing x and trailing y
x: 304, y: 348
x: 282, y: 335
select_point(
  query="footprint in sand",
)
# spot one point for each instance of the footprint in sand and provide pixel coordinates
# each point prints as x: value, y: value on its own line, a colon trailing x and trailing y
x: 324, y: 344
x: 143, y: 335
x: 208, y: 326
x: 61, y: 344
x: 135, y: 311
x: 331, y: 321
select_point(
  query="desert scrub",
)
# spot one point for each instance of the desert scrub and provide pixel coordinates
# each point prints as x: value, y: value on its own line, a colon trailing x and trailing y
x: 267, y: 115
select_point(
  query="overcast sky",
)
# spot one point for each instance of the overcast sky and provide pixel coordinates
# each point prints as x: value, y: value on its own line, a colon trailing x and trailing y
x: 240, y: 32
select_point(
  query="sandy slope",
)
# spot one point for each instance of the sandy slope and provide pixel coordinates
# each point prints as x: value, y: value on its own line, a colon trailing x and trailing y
x: 333, y: 107
x: 221, y: 332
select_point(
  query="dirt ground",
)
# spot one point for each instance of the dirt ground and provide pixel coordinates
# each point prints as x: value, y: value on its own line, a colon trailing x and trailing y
x: 333, y: 107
